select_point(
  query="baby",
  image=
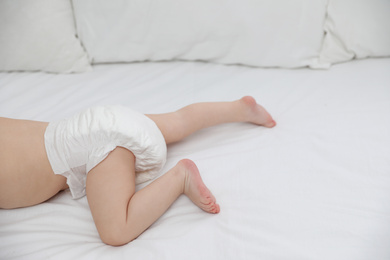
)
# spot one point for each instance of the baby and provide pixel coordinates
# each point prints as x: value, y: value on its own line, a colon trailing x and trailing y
x: 103, y: 152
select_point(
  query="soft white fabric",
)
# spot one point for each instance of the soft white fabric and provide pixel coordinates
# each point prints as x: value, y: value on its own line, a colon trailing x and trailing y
x: 356, y: 29
x: 77, y: 144
x: 39, y: 35
x: 281, y: 33
x: 317, y: 186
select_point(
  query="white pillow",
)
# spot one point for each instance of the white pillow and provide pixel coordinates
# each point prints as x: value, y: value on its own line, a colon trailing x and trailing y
x: 39, y: 35
x: 269, y: 33
x: 356, y: 29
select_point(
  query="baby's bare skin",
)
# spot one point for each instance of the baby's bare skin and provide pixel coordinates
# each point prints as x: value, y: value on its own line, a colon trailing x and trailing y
x: 26, y: 177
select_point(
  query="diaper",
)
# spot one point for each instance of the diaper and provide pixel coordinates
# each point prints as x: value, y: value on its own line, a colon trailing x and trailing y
x: 76, y: 145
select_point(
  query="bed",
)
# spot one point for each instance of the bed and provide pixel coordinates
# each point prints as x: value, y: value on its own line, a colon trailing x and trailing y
x: 317, y: 186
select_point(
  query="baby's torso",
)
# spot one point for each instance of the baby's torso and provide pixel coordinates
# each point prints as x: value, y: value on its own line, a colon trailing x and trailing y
x: 25, y: 172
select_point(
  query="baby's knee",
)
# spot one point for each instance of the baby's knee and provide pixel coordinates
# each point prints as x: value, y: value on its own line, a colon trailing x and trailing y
x: 117, y: 235
x: 113, y: 238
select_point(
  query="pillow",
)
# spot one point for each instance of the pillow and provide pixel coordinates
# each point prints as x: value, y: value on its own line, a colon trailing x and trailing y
x: 40, y: 35
x: 268, y: 33
x: 356, y: 29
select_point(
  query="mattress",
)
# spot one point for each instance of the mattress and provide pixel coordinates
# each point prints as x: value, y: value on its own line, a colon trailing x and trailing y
x: 317, y: 186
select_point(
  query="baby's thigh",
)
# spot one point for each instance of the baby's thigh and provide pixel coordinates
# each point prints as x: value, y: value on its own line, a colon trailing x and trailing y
x: 110, y: 186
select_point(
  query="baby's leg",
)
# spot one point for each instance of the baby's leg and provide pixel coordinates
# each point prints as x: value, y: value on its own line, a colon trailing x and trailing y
x: 177, y: 125
x: 120, y: 214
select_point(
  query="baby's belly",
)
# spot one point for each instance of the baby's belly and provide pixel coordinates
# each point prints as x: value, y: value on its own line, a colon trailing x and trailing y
x: 26, y: 177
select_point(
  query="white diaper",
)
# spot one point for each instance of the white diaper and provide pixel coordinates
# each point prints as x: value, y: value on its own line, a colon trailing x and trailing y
x: 77, y: 144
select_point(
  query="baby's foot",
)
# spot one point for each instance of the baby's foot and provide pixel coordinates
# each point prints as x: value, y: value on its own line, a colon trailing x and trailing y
x: 255, y: 113
x: 195, y: 189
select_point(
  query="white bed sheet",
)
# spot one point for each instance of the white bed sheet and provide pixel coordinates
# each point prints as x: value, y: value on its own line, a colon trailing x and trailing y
x: 317, y: 186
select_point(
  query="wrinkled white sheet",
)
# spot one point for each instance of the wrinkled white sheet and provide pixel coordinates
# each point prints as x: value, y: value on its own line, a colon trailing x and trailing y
x: 317, y: 186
